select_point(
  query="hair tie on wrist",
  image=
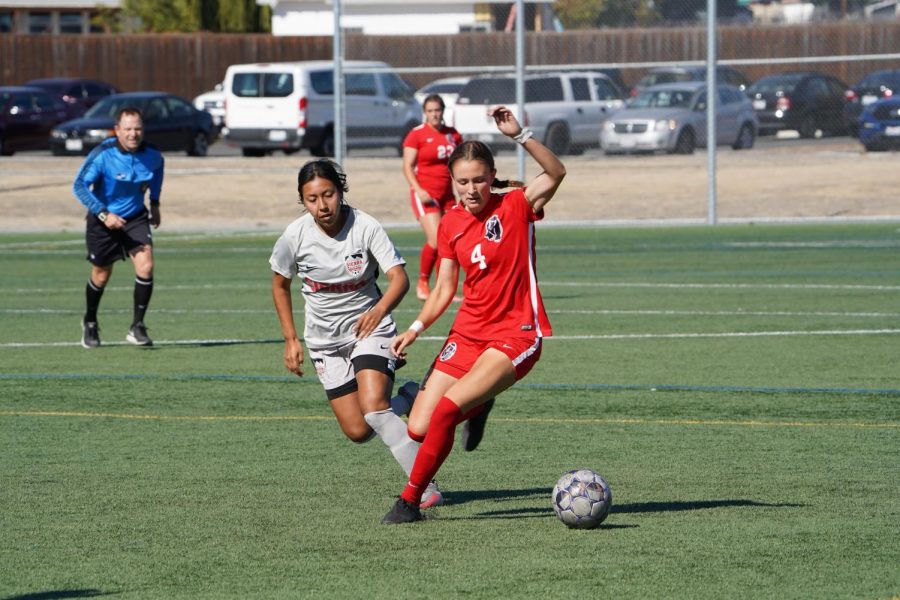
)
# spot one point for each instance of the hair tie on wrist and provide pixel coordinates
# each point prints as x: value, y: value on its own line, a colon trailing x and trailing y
x: 523, y: 136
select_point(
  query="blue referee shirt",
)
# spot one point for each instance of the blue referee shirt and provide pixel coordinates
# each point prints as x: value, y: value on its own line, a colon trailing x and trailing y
x: 115, y: 180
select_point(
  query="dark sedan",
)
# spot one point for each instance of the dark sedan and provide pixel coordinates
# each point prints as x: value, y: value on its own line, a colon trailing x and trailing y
x: 77, y: 95
x: 871, y: 88
x: 170, y: 123
x: 879, y: 125
x: 26, y: 117
x: 807, y: 102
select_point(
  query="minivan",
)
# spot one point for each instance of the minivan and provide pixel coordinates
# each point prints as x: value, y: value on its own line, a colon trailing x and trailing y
x: 290, y: 106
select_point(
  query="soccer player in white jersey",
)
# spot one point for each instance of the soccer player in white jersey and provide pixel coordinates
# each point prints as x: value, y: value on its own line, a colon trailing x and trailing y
x: 337, y: 251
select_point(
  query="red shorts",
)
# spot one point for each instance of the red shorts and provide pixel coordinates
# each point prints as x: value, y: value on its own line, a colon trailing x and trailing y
x: 440, y: 205
x: 460, y: 353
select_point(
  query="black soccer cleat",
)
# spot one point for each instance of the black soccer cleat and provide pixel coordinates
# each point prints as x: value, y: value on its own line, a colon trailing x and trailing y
x: 473, y: 429
x: 402, y: 512
x: 90, y: 334
x: 137, y: 335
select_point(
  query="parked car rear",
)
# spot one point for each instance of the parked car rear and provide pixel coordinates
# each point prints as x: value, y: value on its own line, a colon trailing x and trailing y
x: 565, y: 110
x: 880, y: 125
x: 808, y: 102
x: 170, y: 123
x: 672, y: 118
x: 289, y: 106
x: 871, y: 88
x: 77, y: 95
x: 27, y: 115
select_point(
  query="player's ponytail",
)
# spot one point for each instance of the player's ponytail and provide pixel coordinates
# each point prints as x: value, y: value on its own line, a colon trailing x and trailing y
x: 507, y: 183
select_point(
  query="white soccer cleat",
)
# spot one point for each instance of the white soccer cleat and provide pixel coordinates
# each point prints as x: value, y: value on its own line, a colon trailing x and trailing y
x: 432, y: 496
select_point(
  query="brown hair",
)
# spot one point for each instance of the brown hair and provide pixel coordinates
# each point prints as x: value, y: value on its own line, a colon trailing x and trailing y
x: 475, y: 150
x: 128, y: 110
x: 433, y: 98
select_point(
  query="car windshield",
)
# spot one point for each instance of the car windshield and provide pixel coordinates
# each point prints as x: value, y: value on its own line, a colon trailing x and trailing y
x: 779, y: 83
x: 443, y: 88
x: 879, y: 78
x: 488, y: 91
x: 662, y: 99
x: 109, y: 107
x: 664, y: 77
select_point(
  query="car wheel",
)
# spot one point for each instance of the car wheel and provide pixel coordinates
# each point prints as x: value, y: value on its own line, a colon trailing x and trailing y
x: 874, y: 147
x: 4, y: 148
x: 325, y: 147
x: 199, y: 145
x: 745, y: 138
x: 254, y: 152
x: 686, y: 142
x: 808, y: 127
x: 557, y: 139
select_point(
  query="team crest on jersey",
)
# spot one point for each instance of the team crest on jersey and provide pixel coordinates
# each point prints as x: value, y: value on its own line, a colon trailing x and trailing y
x: 493, y: 229
x: 355, y: 263
x: 448, y: 352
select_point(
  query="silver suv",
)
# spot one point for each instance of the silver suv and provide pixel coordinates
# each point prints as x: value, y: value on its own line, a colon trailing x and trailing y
x: 565, y: 110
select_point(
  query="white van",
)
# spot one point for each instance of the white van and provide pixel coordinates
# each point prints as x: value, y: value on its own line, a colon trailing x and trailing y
x: 289, y: 106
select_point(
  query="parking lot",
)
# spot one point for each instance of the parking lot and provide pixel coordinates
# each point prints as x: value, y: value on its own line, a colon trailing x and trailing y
x: 781, y: 178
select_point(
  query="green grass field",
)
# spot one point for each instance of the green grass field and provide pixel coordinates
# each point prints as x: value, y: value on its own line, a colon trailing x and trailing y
x: 737, y: 386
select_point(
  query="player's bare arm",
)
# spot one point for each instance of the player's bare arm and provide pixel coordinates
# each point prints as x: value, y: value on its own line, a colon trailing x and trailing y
x: 440, y: 298
x: 398, y: 285
x: 410, y: 155
x: 293, y: 349
x: 542, y: 188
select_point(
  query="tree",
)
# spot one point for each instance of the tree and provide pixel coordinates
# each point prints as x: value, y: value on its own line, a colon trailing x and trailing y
x: 237, y: 16
x: 579, y: 14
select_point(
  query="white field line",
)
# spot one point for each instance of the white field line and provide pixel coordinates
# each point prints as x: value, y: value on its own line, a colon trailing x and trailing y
x: 608, y: 284
x: 601, y: 312
x: 558, y: 338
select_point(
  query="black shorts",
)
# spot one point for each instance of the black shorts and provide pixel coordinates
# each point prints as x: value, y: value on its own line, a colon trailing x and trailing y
x: 105, y: 246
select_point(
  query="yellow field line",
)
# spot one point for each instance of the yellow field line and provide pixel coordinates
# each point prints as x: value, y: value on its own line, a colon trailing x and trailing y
x: 528, y: 420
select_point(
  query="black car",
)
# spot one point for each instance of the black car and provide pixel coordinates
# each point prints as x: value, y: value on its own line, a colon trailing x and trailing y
x: 659, y: 75
x: 807, y: 102
x: 170, y: 123
x: 78, y: 95
x: 870, y: 89
x: 26, y: 117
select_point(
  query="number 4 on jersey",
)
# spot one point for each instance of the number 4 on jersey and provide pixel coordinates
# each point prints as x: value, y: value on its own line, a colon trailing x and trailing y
x: 479, y: 258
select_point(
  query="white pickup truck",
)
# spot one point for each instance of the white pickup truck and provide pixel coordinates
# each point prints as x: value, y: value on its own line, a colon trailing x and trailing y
x: 565, y: 110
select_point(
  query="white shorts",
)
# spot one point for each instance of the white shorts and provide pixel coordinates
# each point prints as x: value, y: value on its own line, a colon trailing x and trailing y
x: 337, y: 367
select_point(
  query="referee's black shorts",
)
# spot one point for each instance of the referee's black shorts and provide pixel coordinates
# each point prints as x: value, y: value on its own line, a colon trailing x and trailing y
x: 105, y: 246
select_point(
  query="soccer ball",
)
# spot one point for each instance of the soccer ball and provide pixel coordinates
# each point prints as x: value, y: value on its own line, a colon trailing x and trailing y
x: 581, y: 499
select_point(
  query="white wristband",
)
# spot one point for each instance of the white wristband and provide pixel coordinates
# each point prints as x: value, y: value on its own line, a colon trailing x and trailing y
x: 417, y: 326
x: 523, y: 136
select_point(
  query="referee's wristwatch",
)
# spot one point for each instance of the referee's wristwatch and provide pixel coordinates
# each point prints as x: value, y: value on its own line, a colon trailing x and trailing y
x: 102, y: 215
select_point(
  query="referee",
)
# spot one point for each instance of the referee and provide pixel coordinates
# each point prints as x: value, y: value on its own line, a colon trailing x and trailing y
x: 112, y: 184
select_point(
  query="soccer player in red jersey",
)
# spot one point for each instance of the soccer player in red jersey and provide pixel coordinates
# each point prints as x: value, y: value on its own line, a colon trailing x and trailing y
x: 496, y: 337
x: 426, y: 150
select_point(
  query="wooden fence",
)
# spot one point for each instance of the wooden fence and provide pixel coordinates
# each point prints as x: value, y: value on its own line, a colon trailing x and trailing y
x: 188, y: 64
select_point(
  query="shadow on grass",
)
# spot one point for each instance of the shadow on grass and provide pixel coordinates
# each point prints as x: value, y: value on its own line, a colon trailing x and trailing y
x: 60, y: 595
x: 656, y: 507
x: 632, y: 508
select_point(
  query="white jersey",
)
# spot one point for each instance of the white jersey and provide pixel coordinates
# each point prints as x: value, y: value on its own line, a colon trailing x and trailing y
x: 338, y: 274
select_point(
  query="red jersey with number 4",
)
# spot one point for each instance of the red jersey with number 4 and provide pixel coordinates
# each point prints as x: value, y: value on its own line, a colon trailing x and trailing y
x: 434, y: 149
x: 496, y: 250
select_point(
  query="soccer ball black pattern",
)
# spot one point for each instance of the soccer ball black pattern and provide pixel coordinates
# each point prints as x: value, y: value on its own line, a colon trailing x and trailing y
x: 581, y: 499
